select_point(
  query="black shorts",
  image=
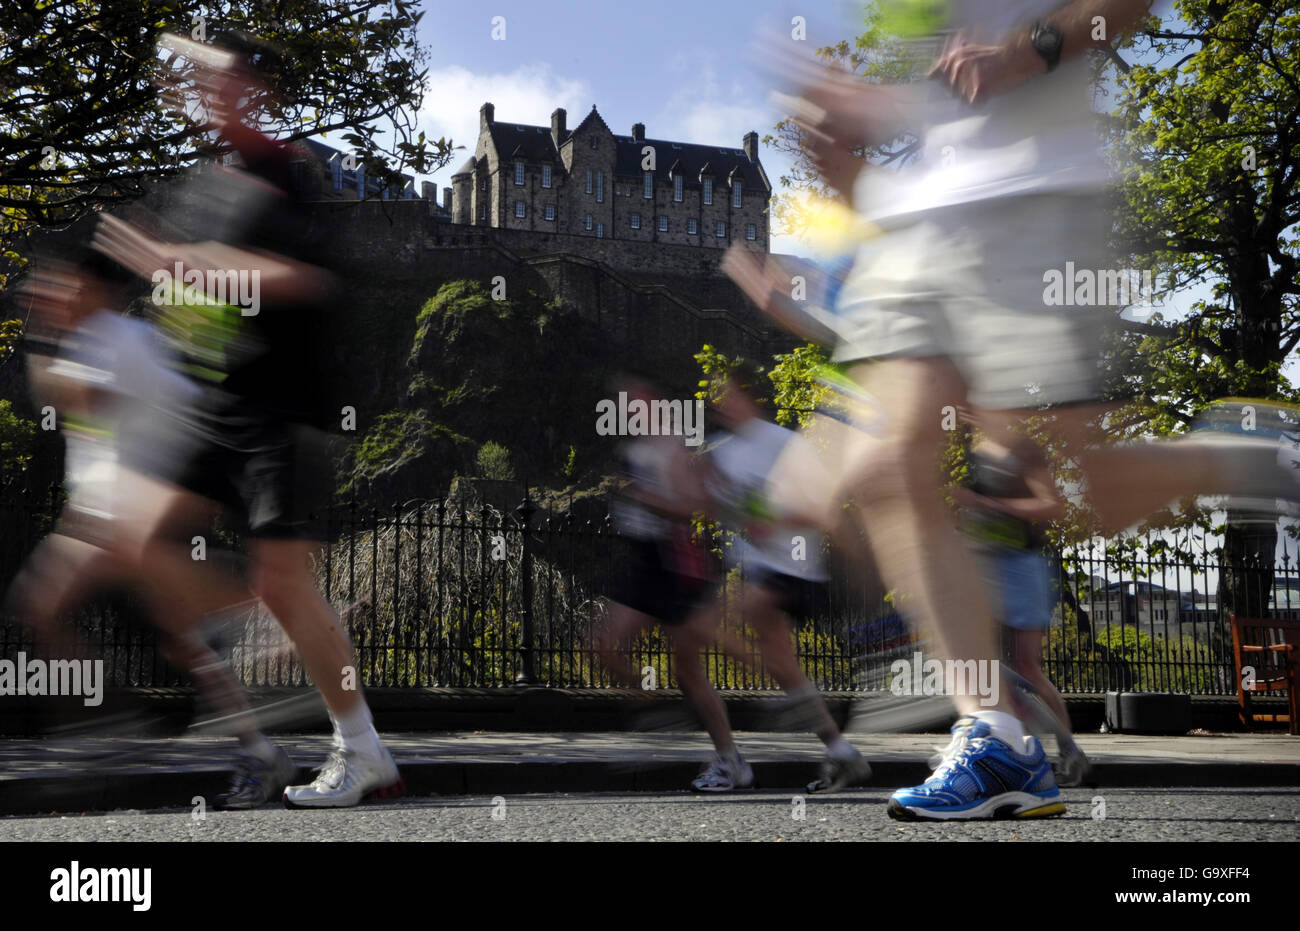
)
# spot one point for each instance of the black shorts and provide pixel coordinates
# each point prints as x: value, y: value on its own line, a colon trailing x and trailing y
x: 272, y: 474
x: 798, y: 597
x: 647, y: 583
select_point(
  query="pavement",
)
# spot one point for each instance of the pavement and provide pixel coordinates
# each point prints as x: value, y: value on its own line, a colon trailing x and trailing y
x: 43, y: 776
x: 1250, y: 814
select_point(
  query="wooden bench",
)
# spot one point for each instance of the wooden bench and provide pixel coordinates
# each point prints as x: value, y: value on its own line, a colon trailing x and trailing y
x: 1271, y: 648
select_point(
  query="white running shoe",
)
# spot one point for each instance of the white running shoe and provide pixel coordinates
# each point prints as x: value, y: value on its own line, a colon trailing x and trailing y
x: 724, y: 774
x: 346, y: 779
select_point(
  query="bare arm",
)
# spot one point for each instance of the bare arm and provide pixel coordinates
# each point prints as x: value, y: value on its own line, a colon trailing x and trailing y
x: 279, y: 278
x: 977, y: 69
x: 1044, y: 503
x: 764, y: 284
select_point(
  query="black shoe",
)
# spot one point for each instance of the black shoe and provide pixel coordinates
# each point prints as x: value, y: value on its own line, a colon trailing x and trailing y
x: 840, y: 774
x: 256, y: 781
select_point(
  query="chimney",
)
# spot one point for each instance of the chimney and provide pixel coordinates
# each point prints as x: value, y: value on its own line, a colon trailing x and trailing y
x: 751, y: 145
x: 558, y: 118
x: 638, y: 132
x: 429, y: 192
x: 446, y: 199
x: 486, y: 116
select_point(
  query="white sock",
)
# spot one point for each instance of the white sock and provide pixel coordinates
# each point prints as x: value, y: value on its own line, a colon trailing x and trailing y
x: 1005, y: 727
x: 355, y: 730
x: 840, y: 749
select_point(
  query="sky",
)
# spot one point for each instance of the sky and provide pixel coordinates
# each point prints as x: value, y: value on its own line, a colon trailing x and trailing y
x: 686, y: 70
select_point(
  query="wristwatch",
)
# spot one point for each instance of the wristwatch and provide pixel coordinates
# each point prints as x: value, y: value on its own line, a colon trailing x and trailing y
x: 1047, y: 41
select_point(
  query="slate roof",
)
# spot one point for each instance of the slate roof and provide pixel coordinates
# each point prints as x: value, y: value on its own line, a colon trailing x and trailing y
x: 327, y: 154
x: 690, y: 159
x: 534, y: 144
x: 519, y: 140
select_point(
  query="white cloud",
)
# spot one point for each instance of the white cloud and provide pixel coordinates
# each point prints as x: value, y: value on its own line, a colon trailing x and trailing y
x: 705, y: 109
x: 527, y: 94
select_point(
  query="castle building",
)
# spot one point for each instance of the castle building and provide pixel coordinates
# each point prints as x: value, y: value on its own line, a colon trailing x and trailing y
x: 588, y: 181
x: 346, y: 179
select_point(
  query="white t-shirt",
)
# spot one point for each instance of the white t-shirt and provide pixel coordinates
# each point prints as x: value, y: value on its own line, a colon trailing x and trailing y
x: 122, y: 358
x: 1041, y: 137
x: 647, y: 460
x: 744, y: 462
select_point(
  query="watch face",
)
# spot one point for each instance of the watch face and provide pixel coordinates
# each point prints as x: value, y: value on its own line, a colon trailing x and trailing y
x: 1047, y: 40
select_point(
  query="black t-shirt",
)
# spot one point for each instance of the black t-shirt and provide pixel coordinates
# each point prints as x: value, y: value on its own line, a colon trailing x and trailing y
x: 1001, y: 477
x: 284, y: 372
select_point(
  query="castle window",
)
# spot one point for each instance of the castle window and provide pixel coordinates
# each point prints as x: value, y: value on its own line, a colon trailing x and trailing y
x: 589, y: 181
x: 588, y: 222
x: 550, y: 211
x: 677, y: 188
x: 663, y: 224
x: 692, y: 226
x: 338, y: 175
x: 482, y: 186
x: 649, y: 180
x: 600, y: 230
x: 636, y: 221
x: 708, y: 190
x: 546, y: 176
x: 482, y: 211
x: 519, y: 173
x: 751, y: 232
x: 600, y: 187
x: 735, y: 194
x: 594, y: 142
x: 721, y: 231
x: 519, y: 209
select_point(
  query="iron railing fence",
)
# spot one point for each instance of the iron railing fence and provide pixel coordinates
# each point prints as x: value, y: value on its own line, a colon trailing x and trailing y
x: 437, y: 593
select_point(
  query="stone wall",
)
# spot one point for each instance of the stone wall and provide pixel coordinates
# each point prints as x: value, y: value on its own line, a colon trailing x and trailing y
x: 658, y: 302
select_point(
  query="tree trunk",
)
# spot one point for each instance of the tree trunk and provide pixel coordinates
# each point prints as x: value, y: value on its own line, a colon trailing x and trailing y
x: 1246, y: 577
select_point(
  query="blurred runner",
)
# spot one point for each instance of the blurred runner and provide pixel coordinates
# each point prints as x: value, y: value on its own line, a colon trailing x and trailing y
x: 785, y: 573
x: 948, y: 303
x: 1010, y: 496
x: 110, y: 383
x: 254, y: 443
x: 950, y: 307
x: 665, y: 575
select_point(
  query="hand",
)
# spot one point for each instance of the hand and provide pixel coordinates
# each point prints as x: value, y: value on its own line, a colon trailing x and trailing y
x: 133, y: 249
x: 749, y: 273
x: 976, y: 70
x: 839, y: 115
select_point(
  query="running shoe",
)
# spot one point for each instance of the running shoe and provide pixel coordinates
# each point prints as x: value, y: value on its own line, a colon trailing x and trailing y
x: 980, y: 776
x: 346, y: 779
x: 724, y: 774
x: 256, y: 781
x: 1074, y: 769
x: 840, y: 774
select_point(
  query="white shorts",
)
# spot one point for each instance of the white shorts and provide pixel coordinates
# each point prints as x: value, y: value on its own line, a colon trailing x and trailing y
x: 968, y: 282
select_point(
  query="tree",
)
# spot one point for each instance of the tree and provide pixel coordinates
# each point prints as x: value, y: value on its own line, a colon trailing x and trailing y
x: 81, y: 126
x: 1205, y: 134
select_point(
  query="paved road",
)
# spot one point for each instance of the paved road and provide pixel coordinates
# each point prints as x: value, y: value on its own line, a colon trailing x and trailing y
x: 1264, y: 814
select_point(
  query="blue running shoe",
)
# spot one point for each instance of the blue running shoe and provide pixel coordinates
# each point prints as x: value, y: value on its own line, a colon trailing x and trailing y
x: 979, y: 777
